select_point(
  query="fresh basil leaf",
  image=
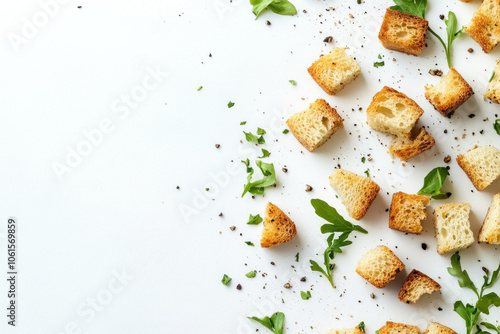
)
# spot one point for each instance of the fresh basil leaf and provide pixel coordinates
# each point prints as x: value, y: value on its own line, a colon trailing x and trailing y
x: 254, y: 220
x: 338, y: 223
x: 259, y: 6
x: 484, y: 303
x: 251, y: 274
x: 433, y: 182
x: 278, y: 320
x: 249, y: 243
x: 413, y: 7
x: 496, y: 126
x: 226, y: 279
x: 283, y: 7
x: 305, y: 295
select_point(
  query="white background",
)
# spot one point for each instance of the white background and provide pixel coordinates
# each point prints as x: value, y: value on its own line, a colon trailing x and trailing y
x: 117, y: 211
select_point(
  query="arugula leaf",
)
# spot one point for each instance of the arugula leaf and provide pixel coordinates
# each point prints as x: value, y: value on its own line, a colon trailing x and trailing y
x: 261, y: 131
x: 294, y: 83
x: 297, y: 257
x: 243, y: 123
x: 496, y: 126
x: 464, y: 280
x: 451, y: 26
x: 413, y: 7
x: 230, y: 104
x: 251, y: 138
x: 469, y: 313
x: 274, y: 324
x: 361, y: 326
x: 484, y: 303
x: 282, y: 7
x: 249, y: 243
x: 254, y: 220
x: 226, y: 279
x: 367, y: 172
x: 491, y: 326
x: 265, y: 154
x: 305, y: 295
x: 379, y: 64
x: 330, y: 214
x: 433, y: 182
x: 251, y: 274
x: 257, y: 187
x: 492, y: 76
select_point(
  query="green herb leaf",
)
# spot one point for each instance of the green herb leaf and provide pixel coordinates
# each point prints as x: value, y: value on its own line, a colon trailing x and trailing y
x: 243, y: 123
x: 413, y: 7
x: 378, y: 64
x: 292, y: 82
x: 363, y: 159
x: 491, y: 326
x: 282, y: 7
x: 230, y: 104
x: 268, y: 180
x: 297, y: 257
x: 254, y: 220
x: 469, y: 313
x: 251, y: 274
x: 226, y: 279
x: 249, y: 243
x: 265, y: 154
x: 367, y: 172
x: 492, y: 76
x: 200, y: 88
x: 433, y: 182
x: 251, y: 138
x: 484, y: 303
x: 451, y: 26
x: 286, y: 131
x: 496, y: 126
x: 361, y: 326
x: 337, y: 222
x: 305, y: 295
x: 261, y: 131
x: 463, y: 277
x: 379, y: 56
x: 274, y: 324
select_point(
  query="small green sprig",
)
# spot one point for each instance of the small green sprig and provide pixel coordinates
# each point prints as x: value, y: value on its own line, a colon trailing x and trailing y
x: 470, y: 313
x: 281, y: 7
x: 268, y: 179
x: 273, y: 323
x: 336, y: 224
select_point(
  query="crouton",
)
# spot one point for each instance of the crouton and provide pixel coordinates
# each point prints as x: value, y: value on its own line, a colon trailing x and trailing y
x: 484, y: 27
x: 406, y: 148
x: 355, y: 330
x: 403, y: 32
x: 314, y: 126
x: 481, y: 164
x: 407, y: 212
x: 436, y: 328
x: 393, y: 112
x: 357, y: 192
x: 493, y: 92
x: 278, y: 228
x: 449, y: 94
x: 379, y: 266
x: 415, y: 285
x: 452, y: 227
x: 490, y: 231
x: 397, y: 328
x: 334, y: 70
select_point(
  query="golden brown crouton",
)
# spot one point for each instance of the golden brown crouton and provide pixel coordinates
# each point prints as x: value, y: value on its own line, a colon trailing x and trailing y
x: 490, y: 231
x: 379, y: 266
x: 415, y: 285
x: 452, y: 227
x: 278, y: 228
x: 493, y: 92
x: 436, y: 328
x: 484, y: 26
x: 407, y: 212
x: 406, y: 148
x: 481, y: 164
x: 397, y: 328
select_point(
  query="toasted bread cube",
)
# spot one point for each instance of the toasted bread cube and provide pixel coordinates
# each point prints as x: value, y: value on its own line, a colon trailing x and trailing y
x: 397, y: 328
x: 490, y: 231
x: 452, y: 226
x: 355, y: 330
x: 484, y: 26
x: 406, y: 148
x: 436, y: 328
x: 393, y: 112
x: 415, y: 285
x: 379, y: 266
x: 407, y: 212
x: 481, y: 164
x: 493, y: 92
x: 357, y: 192
x: 278, y: 228
x: 403, y: 32
x: 334, y: 70
x: 314, y: 126
x: 449, y: 94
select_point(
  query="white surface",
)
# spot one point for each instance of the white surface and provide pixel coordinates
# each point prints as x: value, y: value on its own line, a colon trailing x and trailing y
x: 119, y: 210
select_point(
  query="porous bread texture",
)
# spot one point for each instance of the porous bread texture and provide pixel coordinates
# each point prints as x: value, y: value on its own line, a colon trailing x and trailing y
x: 406, y: 148
x: 398, y: 328
x: 379, y: 266
x: 393, y: 112
x: 415, y: 285
x: 355, y: 330
x: 278, y: 228
x: 407, y: 212
x: 481, y: 164
x: 334, y: 70
x: 314, y: 126
x: 449, y: 94
x: 484, y: 26
x: 357, y: 192
x: 493, y: 92
x: 452, y: 227
x: 437, y: 328
x: 490, y: 230
x: 403, y: 32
